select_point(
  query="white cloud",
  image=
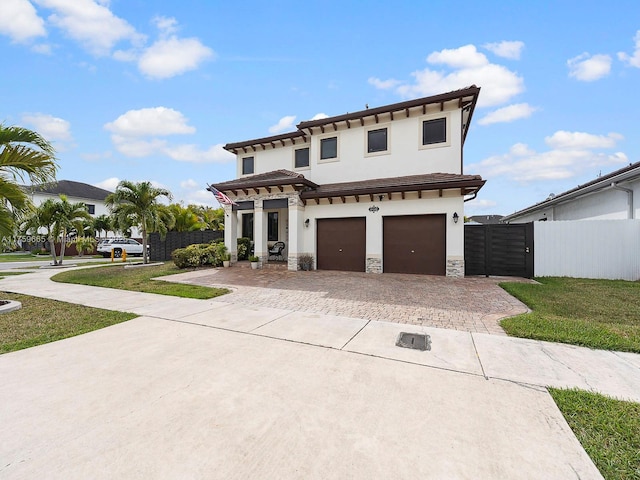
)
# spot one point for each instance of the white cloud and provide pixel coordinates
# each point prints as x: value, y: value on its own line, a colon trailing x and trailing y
x: 42, y: 48
x: 633, y: 59
x: 508, y: 114
x: 284, y: 124
x: 189, y: 184
x: 384, y: 84
x: 20, y: 21
x: 467, y: 67
x: 166, y: 25
x: 50, y: 127
x: 510, y: 50
x: 319, y: 116
x: 191, y: 153
x: 91, y: 23
x: 202, y: 197
x: 157, y: 121
x: 109, y: 183
x: 581, y: 140
x: 588, y: 68
x: 173, y: 56
x: 524, y: 164
x: 138, y: 133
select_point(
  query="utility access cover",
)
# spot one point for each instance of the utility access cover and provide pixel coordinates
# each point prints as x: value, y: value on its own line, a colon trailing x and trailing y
x: 416, y: 341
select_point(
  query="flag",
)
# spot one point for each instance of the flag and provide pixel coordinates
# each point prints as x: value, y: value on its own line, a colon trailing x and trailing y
x: 221, y: 197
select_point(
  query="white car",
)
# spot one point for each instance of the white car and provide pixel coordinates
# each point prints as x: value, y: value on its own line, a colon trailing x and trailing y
x: 118, y: 245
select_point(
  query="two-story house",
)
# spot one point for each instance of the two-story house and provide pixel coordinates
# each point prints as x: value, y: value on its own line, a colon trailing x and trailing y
x: 379, y: 190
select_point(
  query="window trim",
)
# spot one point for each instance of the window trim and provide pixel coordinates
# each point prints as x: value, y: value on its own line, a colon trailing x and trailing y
x: 426, y: 118
x: 301, y: 147
x: 242, y: 159
x: 377, y: 126
x: 324, y: 137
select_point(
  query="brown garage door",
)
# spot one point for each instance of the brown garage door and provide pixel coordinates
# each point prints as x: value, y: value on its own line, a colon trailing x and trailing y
x: 414, y: 244
x: 341, y: 244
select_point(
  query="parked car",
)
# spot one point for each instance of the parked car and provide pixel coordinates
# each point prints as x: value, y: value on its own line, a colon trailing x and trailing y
x: 131, y: 246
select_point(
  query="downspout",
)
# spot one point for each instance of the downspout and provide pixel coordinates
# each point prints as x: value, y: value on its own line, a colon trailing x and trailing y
x: 630, y: 213
x: 475, y: 194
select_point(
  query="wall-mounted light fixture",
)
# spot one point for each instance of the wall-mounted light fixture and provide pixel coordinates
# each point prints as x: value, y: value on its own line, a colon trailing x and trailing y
x: 455, y: 217
x: 380, y: 197
x: 306, y: 223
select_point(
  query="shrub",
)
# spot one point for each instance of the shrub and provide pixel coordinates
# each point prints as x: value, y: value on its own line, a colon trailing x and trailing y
x: 305, y: 261
x: 243, y: 248
x: 199, y: 255
x: 85, y: 244
x: 253, y: 258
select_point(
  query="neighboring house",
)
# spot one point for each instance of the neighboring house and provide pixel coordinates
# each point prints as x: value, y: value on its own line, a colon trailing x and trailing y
x: 485, y: 219
x: 379, y: 190
x: 609, y: 197
x: 92, y: 197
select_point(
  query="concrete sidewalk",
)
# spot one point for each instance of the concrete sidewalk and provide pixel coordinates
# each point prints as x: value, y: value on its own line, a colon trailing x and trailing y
x: 206, y: 389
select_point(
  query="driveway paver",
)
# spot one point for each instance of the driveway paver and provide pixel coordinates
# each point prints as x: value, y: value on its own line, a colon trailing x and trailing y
x: 473, y: 304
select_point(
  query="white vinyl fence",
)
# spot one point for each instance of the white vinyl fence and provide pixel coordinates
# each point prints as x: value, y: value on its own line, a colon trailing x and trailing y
x: 588, y: 249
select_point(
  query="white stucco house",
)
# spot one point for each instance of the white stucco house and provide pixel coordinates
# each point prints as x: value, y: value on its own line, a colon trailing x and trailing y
x: 92, y: 197
x: 608, y: 197
x: 378, y: 190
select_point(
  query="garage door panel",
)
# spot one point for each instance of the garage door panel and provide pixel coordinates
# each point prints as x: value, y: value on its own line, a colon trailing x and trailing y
x: 341, y: 244
x: 414, y: 244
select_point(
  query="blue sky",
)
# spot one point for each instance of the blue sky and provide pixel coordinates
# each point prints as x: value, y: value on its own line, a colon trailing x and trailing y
x: 140, y: 90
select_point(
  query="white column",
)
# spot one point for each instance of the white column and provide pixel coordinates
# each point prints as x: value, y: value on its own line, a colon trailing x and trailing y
x: 296, y: 224
x: 260, y: 248
x: 231, y: 232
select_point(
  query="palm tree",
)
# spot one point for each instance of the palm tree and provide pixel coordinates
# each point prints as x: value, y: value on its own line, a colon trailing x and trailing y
x: 68, y: 218
x: 186, y: 219
x: 102, y: 223
x: 23, y: 153
x: 138, y: 202
x: 43, y: 216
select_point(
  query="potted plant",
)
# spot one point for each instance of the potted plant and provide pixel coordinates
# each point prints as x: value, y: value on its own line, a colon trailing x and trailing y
x: 226, y: 260
x: 254, y: 261
x: 305, y: 261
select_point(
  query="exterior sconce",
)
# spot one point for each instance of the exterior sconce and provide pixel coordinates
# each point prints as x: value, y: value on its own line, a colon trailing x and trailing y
x: 380, y: 197
x: 455, y: 217
x: 306, y: 223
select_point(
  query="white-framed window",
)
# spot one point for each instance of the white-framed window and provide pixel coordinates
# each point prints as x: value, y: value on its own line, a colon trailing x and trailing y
x: 435, y: 131
x: 301, y: 158
x: 248, y: 165
x: 329, y: 148
x: 377, y: 140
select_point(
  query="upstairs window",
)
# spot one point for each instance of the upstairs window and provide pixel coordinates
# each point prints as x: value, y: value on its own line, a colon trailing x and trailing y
x: 247, y: 165
x: 329, y: 148
x: 91, y: 209
x: 377, y: 140
x: 434, y: 131
x: 301, y: 158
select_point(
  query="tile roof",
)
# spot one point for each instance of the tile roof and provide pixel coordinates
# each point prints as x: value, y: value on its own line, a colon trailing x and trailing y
x: 71, y: 189
x: 431, y: 181
x: 268, y: 179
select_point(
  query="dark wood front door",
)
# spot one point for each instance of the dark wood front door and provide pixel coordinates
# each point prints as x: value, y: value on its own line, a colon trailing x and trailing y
x: 341, y: 244
x: 415, y: 244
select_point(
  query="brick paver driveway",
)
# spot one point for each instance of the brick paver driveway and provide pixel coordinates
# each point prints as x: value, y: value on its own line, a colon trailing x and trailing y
x: 473, y: 304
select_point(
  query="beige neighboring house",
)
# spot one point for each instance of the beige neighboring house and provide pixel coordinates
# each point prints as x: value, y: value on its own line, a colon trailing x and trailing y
x: 377, y: 190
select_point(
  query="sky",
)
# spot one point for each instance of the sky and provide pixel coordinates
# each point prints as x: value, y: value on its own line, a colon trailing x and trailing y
x: 140, y: 90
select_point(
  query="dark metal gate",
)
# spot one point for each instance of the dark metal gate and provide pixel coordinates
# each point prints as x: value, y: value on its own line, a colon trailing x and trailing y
x: 501, y: 250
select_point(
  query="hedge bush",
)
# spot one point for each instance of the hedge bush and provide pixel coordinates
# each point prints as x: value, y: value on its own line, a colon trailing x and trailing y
x: 199, y: 255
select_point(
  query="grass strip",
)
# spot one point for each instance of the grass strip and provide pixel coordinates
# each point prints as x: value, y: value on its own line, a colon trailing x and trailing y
x: 42, y: 321
x: 603, y: 314
x: 608, y: 429
x: 138, y: 280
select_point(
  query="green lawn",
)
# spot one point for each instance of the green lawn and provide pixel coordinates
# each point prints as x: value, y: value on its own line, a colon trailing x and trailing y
x: 42, y: 321
x: 139, y: 280
x: 602, y: 314
x: 609, y: 430
x: 28, y: 257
